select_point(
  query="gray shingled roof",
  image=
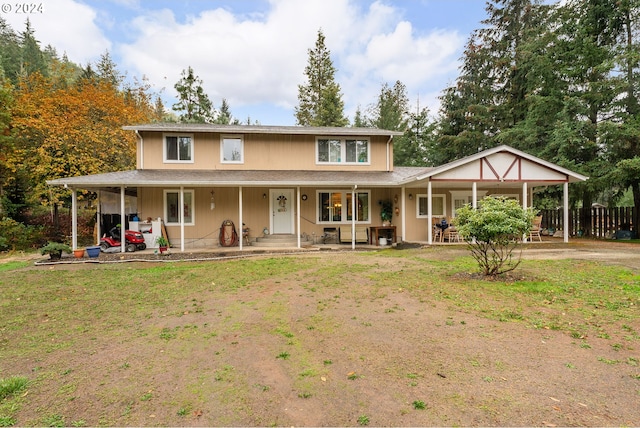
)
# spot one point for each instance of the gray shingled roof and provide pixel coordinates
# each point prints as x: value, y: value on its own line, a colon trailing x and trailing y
x: 163, y: 177
x: 259, y: 129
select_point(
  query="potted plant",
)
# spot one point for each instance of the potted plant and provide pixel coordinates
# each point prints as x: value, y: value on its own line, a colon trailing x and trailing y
x: 55, y: 249
x: 386, y: 213
x: 163, y: 243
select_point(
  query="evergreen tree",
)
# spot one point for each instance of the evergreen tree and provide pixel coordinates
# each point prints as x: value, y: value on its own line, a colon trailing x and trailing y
x: 193, y: 103
x: 33, y: 59
x: 391, y: 109
x: 411, y: 149
x: 10, y: 52
x: 320, y: 100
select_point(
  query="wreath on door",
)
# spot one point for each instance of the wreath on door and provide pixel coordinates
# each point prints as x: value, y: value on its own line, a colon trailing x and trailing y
x: 282, y: 202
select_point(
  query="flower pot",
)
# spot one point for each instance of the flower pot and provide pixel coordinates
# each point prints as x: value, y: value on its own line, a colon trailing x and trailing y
x: 383, y: 242
x: 162, y: 249
x: 79, y: 253
x: 93, y: 251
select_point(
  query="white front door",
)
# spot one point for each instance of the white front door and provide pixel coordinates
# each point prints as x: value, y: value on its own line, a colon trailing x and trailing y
x: 282, y: 204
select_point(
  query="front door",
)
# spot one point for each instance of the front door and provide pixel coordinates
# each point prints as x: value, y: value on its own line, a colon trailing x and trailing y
x: 281, y: 210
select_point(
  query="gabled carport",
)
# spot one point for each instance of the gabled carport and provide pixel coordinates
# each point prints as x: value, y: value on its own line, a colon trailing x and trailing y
x: 502, y: 166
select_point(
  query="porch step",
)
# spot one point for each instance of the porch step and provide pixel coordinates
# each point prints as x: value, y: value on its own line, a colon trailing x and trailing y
x: 278, y: 240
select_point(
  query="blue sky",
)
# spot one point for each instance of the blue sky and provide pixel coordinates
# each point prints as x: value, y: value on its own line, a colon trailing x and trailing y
x: 253, y: 52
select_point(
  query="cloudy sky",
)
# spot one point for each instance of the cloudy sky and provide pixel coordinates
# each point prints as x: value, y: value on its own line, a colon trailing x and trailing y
x: 253, y: 52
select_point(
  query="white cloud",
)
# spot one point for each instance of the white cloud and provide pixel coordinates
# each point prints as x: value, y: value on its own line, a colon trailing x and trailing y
x: 256, y: 57
x: 260, y: 58
x: 67, y: 25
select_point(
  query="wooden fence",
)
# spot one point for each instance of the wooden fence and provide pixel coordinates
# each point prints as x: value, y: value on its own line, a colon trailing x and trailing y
x: 594, y: 222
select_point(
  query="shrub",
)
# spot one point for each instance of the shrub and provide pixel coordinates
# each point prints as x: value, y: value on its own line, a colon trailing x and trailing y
x: 17, y: 236
x: 493, y: 231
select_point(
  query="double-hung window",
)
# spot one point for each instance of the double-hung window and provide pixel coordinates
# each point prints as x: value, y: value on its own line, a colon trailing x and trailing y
x: 342, y: 151
x: 178, y: 148
x: 172, y: 207
x: 231, y: 149
x: 437, y: 205
x: 337, y: 206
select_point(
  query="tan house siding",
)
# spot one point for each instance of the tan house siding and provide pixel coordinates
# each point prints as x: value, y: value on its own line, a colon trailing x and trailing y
x: 261, y: 152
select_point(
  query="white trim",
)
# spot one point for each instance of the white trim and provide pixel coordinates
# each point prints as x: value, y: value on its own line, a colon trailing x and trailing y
x: 343, y: 150
x: 224, y: 137
x: 344, y: 217
x: 181, y: 212
x: 433, y: 196
x: 164, y: 147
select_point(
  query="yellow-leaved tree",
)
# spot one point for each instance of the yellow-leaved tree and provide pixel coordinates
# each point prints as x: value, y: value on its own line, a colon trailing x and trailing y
x: 66, y: 130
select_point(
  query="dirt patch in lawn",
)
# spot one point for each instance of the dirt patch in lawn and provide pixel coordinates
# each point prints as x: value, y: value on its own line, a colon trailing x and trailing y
x: 347, y: 350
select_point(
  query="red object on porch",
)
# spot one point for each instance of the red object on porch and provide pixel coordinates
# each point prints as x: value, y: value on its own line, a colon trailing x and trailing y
x: 228, y: 235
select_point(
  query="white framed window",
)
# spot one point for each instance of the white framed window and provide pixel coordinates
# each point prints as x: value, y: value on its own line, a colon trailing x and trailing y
x: 178, y: 148
x: 172, y: 204
x: 460, y: 198
x: 333, y: 150
x: 232, y: 149
x: 335, y: 206
x: 437, y: 204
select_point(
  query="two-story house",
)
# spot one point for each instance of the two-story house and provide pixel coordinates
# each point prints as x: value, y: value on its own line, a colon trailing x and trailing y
x: 302, y: 181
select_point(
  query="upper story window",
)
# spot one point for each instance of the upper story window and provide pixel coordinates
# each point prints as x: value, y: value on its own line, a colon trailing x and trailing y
x: 231, y: 149
x: 178, y: 148
x: 342, y: 150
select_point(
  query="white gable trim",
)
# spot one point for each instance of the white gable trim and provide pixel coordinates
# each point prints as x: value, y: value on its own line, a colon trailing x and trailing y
x: 502, y: 164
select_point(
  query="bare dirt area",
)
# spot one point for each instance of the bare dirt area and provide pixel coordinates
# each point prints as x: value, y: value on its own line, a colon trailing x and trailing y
x: 308, y: 347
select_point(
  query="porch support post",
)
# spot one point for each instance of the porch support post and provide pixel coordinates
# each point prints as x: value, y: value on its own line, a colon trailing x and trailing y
x: 353, y: 216
x: 181, y: 217
x: 525, y: 200
x: 298, y: 216
x: 565, y: 194
x: 240, y: 218
x: 474, y: 195
x: 429, y: 214
x: 99, y: 217
x: 123, y: 223
x: 403, y: 217
x: 74, y: 219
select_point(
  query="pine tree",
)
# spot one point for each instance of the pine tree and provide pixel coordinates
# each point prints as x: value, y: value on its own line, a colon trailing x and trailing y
x: 320, y: 100
x: 193, y: 103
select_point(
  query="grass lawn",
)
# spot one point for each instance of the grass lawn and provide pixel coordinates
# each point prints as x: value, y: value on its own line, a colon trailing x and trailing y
x: 394, y: 337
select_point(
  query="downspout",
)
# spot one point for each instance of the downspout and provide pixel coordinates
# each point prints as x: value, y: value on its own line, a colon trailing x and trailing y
x: 141, y: 151
x: 388, y: 153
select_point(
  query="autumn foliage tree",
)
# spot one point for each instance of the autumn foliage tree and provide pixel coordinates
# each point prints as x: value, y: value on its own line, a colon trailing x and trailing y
x: 65, y: 131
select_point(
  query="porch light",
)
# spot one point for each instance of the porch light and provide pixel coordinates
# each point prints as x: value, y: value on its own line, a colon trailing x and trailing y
x: 410, y: 196
x: 213, y: 201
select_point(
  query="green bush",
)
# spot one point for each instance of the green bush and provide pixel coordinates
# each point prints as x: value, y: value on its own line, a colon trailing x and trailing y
x: 16, y: 236
x: 494, y: 230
